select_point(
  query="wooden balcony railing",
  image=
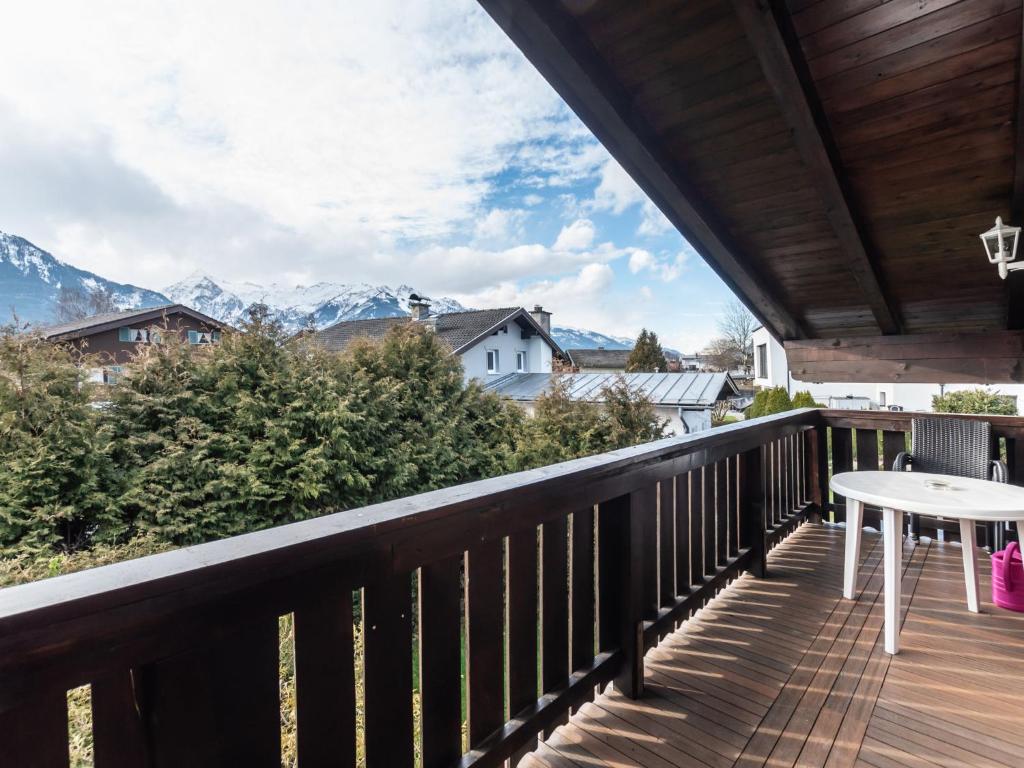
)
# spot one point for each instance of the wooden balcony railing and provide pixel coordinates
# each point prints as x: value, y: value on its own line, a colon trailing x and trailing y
x: 859, y: 440
x: 551, y: 582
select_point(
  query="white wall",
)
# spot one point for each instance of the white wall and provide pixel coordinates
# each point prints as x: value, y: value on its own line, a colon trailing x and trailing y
x: 474, y: 359
x: 911, y: 397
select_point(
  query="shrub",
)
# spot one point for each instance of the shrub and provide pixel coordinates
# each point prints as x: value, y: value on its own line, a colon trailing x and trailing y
x: 975, y: 401
x: 804, y: 399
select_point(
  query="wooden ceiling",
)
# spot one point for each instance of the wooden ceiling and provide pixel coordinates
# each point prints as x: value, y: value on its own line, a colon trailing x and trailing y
x: 833, y: 160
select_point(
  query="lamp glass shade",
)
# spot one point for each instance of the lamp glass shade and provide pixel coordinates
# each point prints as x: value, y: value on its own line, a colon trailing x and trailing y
x: 1001, y: 242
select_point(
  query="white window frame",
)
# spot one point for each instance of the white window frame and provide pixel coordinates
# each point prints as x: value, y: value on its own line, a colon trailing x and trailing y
x: 496, y: 367
x: 522, y: 361
x: 761, y: 360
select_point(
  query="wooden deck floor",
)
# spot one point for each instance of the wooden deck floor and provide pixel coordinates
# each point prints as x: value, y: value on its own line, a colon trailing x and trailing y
x: 783, y: 672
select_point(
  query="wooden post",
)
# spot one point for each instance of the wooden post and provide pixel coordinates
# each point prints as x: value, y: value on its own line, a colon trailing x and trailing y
x: 621, y: 588
x: 752, y: 522
x: 815, y: 445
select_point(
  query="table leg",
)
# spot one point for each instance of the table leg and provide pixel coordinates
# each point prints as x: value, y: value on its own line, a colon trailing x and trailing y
x: 969, y: 544
x: 892, y: 534
x: 854, y: 527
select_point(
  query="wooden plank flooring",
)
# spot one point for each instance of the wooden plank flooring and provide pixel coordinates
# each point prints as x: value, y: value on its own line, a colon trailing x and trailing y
x: 783, y: 672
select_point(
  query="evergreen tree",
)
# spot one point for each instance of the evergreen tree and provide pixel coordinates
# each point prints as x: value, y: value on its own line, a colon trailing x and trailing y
x: 54, y: 469
x: 647, y: 355
x: 804, y: 399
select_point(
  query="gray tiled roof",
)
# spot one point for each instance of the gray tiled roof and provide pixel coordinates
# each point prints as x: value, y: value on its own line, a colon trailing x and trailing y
x: 675, y: 389
x: 455, y: 330
x: 337, y: 337
x: 599, y: 358
x: 78, y: 327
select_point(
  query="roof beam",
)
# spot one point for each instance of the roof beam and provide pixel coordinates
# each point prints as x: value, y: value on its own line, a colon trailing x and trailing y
x: 1015, y: 280
x: 782, y: 62
x: 556, y: 45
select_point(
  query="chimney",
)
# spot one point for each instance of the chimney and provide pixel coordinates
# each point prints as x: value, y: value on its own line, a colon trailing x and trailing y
x: 543, y: 318
x: 419, y: 306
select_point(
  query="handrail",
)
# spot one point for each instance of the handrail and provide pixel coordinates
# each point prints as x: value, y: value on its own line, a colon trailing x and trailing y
x: 664, y: 525
x: 297, y: 547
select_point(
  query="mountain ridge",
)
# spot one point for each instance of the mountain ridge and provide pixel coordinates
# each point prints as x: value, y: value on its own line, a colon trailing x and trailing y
x: 31, y: 279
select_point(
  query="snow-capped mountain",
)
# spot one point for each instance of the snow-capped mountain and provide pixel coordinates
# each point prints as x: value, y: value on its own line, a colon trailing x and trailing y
x: 577, y: 338
x: 322, y: 303
x: 31, y: 279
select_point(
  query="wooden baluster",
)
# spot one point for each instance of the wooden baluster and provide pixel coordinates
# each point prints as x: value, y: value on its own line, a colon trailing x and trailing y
x: 696, y: 506
x: 867, y: 449
x: 813, y: 491
x: 387, y: 641
x: 118, y: 728
x: 582, y: 588
x: 325, y: 681
x: 752, y: 511
x: 521, y: 621
x: 710, y: 531
x: 784, y: 505
x: 794, y: 474
x: 732, y: 507
x: 218, y: 704
x: 800, y: 446
x: 621, y: 589
x: 35, y: 734
x: 666, y: 543
x: 440, y: 662
x: 842, y: 461
x: 893, y: 443
x: 722, y: 510
x: 647, y: 499
x: 683, y: 578
x: 554, y: 633
x: 485, y: 700
x: 822, y: 491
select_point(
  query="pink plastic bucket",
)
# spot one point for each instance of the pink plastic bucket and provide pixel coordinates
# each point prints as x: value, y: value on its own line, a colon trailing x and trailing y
x: 1008, y: 578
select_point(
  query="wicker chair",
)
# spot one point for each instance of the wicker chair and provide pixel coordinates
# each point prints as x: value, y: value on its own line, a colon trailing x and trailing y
x: 961, y: 447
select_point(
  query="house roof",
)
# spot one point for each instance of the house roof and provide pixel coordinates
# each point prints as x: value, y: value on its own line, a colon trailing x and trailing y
x: 455, y: 330
x: 833, y: 162
x: 104, y: 321
x: 688, y: 390
x: 599, y: 358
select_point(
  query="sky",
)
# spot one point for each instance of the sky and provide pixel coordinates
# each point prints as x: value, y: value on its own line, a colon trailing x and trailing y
x: 385, y: 141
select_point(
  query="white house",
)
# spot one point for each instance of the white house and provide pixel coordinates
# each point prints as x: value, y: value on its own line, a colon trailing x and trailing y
x: 684, y: 400
x: 771, y: 369
x: 491, y: 343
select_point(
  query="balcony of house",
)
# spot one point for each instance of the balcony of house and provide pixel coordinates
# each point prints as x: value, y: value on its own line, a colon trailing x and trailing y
x: 673, y: 604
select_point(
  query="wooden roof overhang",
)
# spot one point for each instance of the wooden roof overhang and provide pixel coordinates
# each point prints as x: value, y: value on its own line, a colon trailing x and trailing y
x: 833, y: 160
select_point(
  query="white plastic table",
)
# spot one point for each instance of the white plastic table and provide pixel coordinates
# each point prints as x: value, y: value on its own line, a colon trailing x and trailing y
x: 967, y: 500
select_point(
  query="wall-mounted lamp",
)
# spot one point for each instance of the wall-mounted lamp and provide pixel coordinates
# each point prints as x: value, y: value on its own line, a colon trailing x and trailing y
x: 1001, y: 247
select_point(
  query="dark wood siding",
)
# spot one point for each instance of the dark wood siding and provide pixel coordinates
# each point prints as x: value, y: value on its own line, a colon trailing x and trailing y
x: 110, y: 350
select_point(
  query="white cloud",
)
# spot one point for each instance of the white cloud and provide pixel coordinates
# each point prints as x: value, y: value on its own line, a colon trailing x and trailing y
x: 532, y: 200
x: 499, y: 227
x: 576, y: 236
x: 640, y: 260
x: 666, y: 269
x: 653, y: 221
x: 581, y: 299
x: 366, y: 124
x: 616, y: 191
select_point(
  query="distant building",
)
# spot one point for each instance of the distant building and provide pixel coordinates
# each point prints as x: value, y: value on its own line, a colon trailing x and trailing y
x: 603, y: 360
x: 599, y: 360
x: 771, y: 369
x: 114, y: 338
x: 685, y: 400
x: 491, y: 343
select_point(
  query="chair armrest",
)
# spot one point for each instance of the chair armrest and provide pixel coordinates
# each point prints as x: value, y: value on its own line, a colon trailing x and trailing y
x: 903, y: 460
x: 999, y: 472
